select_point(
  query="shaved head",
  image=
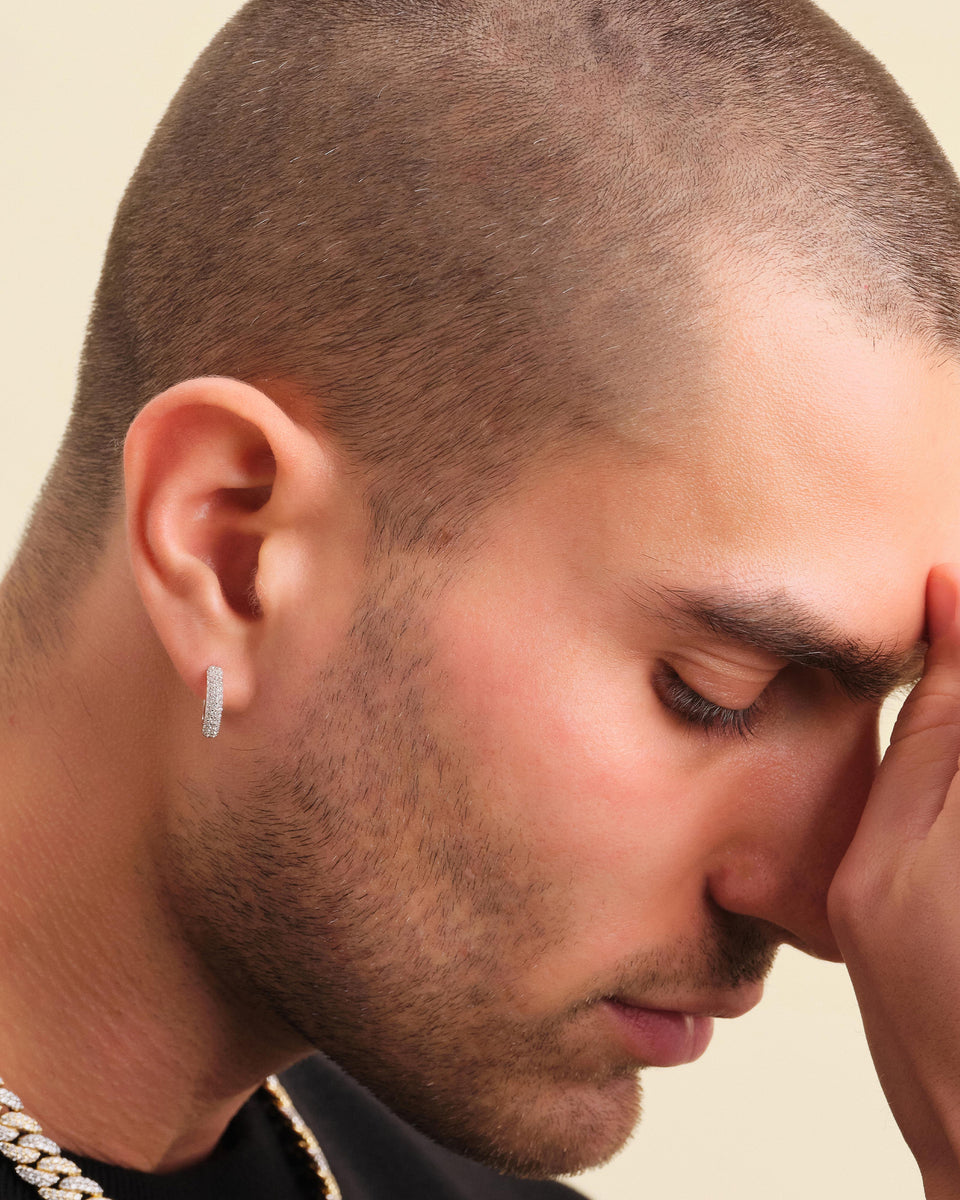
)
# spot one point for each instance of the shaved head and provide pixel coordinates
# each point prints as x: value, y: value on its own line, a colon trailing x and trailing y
x: 446, y: 227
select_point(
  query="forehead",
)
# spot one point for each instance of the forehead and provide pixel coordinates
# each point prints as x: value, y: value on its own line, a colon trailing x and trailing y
x: 806, y: 458
x: 816, y: 439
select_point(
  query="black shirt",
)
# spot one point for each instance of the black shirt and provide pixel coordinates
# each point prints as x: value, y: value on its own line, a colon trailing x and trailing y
x: 373, y: 1154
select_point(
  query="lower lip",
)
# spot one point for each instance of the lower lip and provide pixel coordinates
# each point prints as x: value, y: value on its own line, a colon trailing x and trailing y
x: 658, y: 1038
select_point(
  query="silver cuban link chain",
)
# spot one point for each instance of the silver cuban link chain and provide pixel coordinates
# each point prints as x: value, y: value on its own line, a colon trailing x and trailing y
x: 38, y: 1160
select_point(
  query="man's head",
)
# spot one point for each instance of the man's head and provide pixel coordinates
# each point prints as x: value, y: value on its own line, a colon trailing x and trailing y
x: 450, y: 225
x: 582, y: 377
x: 478, y: 809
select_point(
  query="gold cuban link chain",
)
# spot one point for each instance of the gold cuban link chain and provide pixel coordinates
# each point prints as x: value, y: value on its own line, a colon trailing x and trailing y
x: 38, y: 1161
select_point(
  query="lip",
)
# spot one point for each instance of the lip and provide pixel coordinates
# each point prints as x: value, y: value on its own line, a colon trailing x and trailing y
x: 658, y: 1037
x: 715, y: 1004
x: 670, y: 1037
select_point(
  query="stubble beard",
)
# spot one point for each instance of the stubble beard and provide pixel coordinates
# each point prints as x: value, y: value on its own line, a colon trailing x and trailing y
x: 356, y: 886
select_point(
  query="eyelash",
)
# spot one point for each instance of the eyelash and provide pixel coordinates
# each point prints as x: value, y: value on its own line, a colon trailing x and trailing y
x: 694, y: 709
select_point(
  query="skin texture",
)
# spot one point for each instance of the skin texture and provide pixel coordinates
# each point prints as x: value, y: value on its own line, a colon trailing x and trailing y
x: 449, y: 811
x: 459, y: 955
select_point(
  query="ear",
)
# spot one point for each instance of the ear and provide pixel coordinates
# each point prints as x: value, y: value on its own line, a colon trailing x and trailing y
x: 231, y: 508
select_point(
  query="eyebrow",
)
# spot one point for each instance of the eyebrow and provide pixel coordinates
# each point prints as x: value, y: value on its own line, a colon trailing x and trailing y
x: 783, y: 626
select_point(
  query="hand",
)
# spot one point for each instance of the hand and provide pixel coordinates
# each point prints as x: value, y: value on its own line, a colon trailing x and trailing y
x: 894, y: 906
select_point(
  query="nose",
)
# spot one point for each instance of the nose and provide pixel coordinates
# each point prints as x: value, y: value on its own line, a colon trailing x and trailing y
x: 791, y: 827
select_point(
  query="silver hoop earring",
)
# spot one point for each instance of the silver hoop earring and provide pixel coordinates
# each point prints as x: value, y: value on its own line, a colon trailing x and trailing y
x: 213, y: 705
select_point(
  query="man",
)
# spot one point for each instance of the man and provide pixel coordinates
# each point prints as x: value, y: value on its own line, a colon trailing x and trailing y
x: 539, y: 426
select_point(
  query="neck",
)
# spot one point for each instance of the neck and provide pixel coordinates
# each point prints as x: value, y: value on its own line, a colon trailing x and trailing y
x: 110, y: 1031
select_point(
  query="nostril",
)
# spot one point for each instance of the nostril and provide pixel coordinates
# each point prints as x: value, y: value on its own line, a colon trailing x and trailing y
x: 781, y: 906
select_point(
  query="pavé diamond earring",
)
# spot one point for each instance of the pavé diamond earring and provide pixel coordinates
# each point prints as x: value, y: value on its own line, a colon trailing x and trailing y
x: 213, y: 705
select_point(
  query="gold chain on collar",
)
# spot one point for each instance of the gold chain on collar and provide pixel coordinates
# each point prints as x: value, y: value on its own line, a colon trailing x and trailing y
x: 38, y: 1161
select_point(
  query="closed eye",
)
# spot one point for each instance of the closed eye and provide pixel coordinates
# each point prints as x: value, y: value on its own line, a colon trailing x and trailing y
x: 696, y: 710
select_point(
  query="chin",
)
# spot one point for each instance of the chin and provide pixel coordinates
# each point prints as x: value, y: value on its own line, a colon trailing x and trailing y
x: 551, y: 1136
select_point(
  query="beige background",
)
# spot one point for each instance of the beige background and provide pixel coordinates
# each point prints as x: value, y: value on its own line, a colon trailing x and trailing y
x: 785, y: 1104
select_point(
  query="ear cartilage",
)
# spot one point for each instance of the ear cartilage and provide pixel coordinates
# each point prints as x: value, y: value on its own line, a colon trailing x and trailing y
x: 213, y: 705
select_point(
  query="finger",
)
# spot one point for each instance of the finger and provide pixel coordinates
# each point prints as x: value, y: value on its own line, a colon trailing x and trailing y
x: 920, y: 764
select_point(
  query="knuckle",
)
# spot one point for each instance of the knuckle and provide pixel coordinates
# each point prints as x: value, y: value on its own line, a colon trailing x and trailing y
x: 855, y: 895
x: 844, y: 898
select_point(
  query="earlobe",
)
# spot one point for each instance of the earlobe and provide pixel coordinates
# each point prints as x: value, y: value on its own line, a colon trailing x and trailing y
x: 213, y: 468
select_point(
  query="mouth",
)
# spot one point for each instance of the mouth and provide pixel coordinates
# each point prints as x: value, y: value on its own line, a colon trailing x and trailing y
x: 670, y: 1037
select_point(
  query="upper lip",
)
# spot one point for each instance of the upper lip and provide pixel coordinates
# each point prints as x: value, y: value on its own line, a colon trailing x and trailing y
x: 703, y: 1004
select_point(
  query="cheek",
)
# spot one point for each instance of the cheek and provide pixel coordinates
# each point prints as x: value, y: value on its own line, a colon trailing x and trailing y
x: 569, y: 752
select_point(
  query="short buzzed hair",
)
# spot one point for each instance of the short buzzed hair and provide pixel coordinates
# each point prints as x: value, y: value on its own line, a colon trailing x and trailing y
x: 444, y: 220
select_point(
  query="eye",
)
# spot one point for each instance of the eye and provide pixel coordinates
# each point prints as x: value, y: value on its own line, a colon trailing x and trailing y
x: 696, y: 710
